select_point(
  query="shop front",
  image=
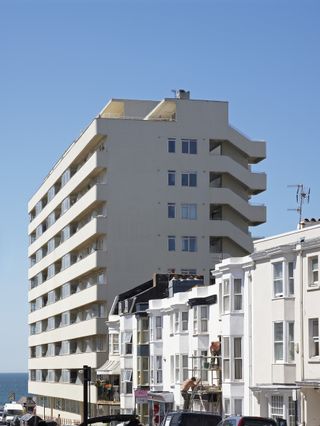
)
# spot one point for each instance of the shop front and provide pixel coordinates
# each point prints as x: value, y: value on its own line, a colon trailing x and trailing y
x: 159, y: 403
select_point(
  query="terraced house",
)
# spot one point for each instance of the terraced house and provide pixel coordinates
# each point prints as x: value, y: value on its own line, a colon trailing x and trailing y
x: 148, y: 187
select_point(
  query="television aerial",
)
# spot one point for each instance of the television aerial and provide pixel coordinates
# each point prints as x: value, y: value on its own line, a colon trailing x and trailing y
x: 302, y: 196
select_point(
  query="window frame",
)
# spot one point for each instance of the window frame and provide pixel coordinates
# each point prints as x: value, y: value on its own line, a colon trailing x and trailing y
x: 171, y: 145
x: 171, y: 177
x: 314, y: 345
x: 189, y: 146
x: 171, y: 243
x: 189, y: 179
x: 278, y: 281
x: 189, y: 243
x: 188, y: 211
x: 312, y: 272
x: 171, y: 210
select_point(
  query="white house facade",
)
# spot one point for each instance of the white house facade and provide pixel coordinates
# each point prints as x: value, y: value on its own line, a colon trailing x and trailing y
x: 278, y: 326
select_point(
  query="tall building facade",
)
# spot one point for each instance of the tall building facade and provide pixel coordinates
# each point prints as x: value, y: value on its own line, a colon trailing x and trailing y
x: 148, y: 187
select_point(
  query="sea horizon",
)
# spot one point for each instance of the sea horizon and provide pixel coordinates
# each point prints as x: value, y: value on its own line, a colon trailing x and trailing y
x: 13, y: 385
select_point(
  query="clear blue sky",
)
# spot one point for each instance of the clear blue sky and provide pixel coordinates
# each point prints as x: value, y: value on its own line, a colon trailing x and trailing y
x: 62, y: 60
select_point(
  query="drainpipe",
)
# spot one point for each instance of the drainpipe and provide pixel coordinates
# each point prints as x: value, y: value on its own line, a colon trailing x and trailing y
x: 301, y: 342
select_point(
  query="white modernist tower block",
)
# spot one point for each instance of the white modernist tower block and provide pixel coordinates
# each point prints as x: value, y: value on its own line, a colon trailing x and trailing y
x: 148, y: 187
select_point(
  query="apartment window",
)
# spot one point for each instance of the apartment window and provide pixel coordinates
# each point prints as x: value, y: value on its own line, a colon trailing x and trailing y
x: 39, y: 375
x: 65, y: 376
x: 114, y: 344
x: 291, y: 411
x: 126, y: 381
x: 38, y: 352
x: 278, y: 279
x: 32, y: 329
x: 65, y: 318
x: 65, y: 347
x: 232, y: 358
x: 171, y: 210
x: 51, y: 376
x: 50, y: 351
x: 226, y: 358
x: 237, y: 403
x: 51, y: 245
x: 51, y: 271
x: 313, y: 271
x: 171, y: 145
x: 291, y: 278
x: 189, y: 146
x: 51, y: 323
x: 65, y: 233
x: 38, y: 207
x: 38, y: 328
x: 38, y: 255
x: 290, y: 340
x: 65, y: 205
x: 39, y: 303
x: 158, y: 321
x: 184, y: 321
x: 66, y: 261
x: 189, y: 244
x: 237, y: 357
x: 51, y: 193
x: 237, y: 294
x: 189, y: 211
x: 51, y: 219
x: 171, y: 243
x: 156, y: 328
x: 313, y: 337
x: 283, y: 338
x: 65, y: 177
x: 176, y: 322
x: 38, y: 231
x: 158, y: 368
x: 226, y: 296
x: 143, y: 370
x: 278, y: 341
x: 171, y: 177
x: 200, y: 319
x: 185, y: 364
x: 227, y: 410
x: 143, y: 330
x: 101, y: 278
x: 66, y: 290
x: 276, y: 406
x: 189, y: 179
x: 126, y: 338
x: 177, y: 368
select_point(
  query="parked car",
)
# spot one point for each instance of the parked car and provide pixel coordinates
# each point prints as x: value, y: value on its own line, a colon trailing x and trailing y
x: 191, y: 418
x: 1, y: 417
x: 15, y: 421
x: 247, y: 421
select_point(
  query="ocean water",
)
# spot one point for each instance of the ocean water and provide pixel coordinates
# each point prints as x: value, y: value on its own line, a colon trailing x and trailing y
x: 13, y: 383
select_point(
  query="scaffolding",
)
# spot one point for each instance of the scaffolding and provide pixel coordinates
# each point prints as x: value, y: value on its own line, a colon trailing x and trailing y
x: 207, y: 394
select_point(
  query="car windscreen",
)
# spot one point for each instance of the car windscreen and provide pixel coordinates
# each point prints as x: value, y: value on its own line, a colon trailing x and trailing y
x: 258, y: 422
x: 191, y: 419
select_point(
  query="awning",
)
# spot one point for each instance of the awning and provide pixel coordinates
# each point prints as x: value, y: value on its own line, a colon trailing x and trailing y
x: 272, y: 387
x: 161, y: 396
x: 109, y: 367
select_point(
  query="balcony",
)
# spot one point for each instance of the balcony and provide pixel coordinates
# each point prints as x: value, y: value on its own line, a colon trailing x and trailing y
x: 254, y: 214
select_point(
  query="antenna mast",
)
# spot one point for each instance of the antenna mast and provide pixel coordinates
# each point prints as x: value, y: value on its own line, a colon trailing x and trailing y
x: 302, y: 195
